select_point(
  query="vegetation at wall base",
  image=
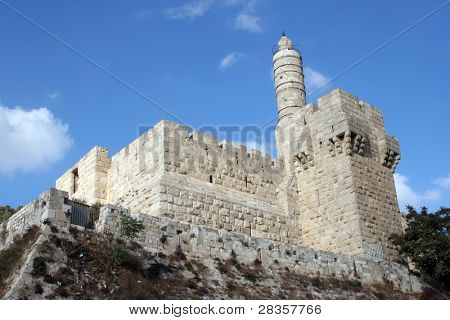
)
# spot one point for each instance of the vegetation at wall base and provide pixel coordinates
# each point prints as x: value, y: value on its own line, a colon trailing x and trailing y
x: 426, y: 243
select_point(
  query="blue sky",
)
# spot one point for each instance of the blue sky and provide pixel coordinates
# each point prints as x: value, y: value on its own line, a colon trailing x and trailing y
x: 209, y: 63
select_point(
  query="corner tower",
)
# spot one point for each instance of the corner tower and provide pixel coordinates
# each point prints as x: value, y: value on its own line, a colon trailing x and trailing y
x: 342, y: 160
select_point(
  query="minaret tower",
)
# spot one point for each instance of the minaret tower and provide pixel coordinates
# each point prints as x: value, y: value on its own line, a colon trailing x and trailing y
x: 291, y: 99
x: 288, y: 76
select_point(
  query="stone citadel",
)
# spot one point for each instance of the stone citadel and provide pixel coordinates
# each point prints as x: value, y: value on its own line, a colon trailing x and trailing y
x: 324, y: 207
x: 330, y: 188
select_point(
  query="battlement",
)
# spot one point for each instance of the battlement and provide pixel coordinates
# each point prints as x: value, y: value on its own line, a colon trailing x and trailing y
x: 212, y: 145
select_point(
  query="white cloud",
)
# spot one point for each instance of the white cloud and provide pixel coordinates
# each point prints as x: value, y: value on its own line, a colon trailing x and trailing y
x: 407, y: 196
x: 229, y: 60
x: 31, y: 139
x: 443, y: 182
x: 246, y: 19
x: 53, y: 95
x: 314, y: 80
x: 190, y: 10
x: 143, y: 14
x: 248, y: 22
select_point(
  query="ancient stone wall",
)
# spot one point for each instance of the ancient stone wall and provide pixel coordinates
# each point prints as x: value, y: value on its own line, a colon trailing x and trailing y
x: 167, y: 235
x: 205, y: 158
x: 190, y: 176
x: 49, y: 207
x: 135, y: 172
x: 87, y: 179
x: 225, y: 186
x: 201, y: 203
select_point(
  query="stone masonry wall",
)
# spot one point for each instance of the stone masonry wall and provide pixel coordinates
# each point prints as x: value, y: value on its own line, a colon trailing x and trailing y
x: 205, y: 158
x: 205, y: 204
x: 166, y: 235
x: 221, y: 185
x: 87, y: 179
x: 192, y: 177
x: 50, y: 206
x: 134, y: 172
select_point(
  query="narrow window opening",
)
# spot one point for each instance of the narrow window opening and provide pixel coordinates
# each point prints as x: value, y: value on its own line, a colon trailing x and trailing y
x: 246, y: 182
x: 75, y: 178
x: 210, y: 179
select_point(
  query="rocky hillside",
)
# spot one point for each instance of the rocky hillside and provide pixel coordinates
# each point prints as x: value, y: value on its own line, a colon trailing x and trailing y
x: 56, y: 263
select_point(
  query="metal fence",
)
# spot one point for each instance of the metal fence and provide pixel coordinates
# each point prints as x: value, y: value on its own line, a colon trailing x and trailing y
x: 82, y: 214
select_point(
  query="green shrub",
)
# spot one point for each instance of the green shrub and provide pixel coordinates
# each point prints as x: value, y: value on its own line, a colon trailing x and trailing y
x: 426, y: 242
x: 130, y: 228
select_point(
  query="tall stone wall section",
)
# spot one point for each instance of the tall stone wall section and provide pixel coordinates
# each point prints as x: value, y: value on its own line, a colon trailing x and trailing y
x: 166, y: 235
x: 190, y: 176
x: 218, y: 184
x: 133, y: 179
x: 204, y: 204
x: 87, y: 179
